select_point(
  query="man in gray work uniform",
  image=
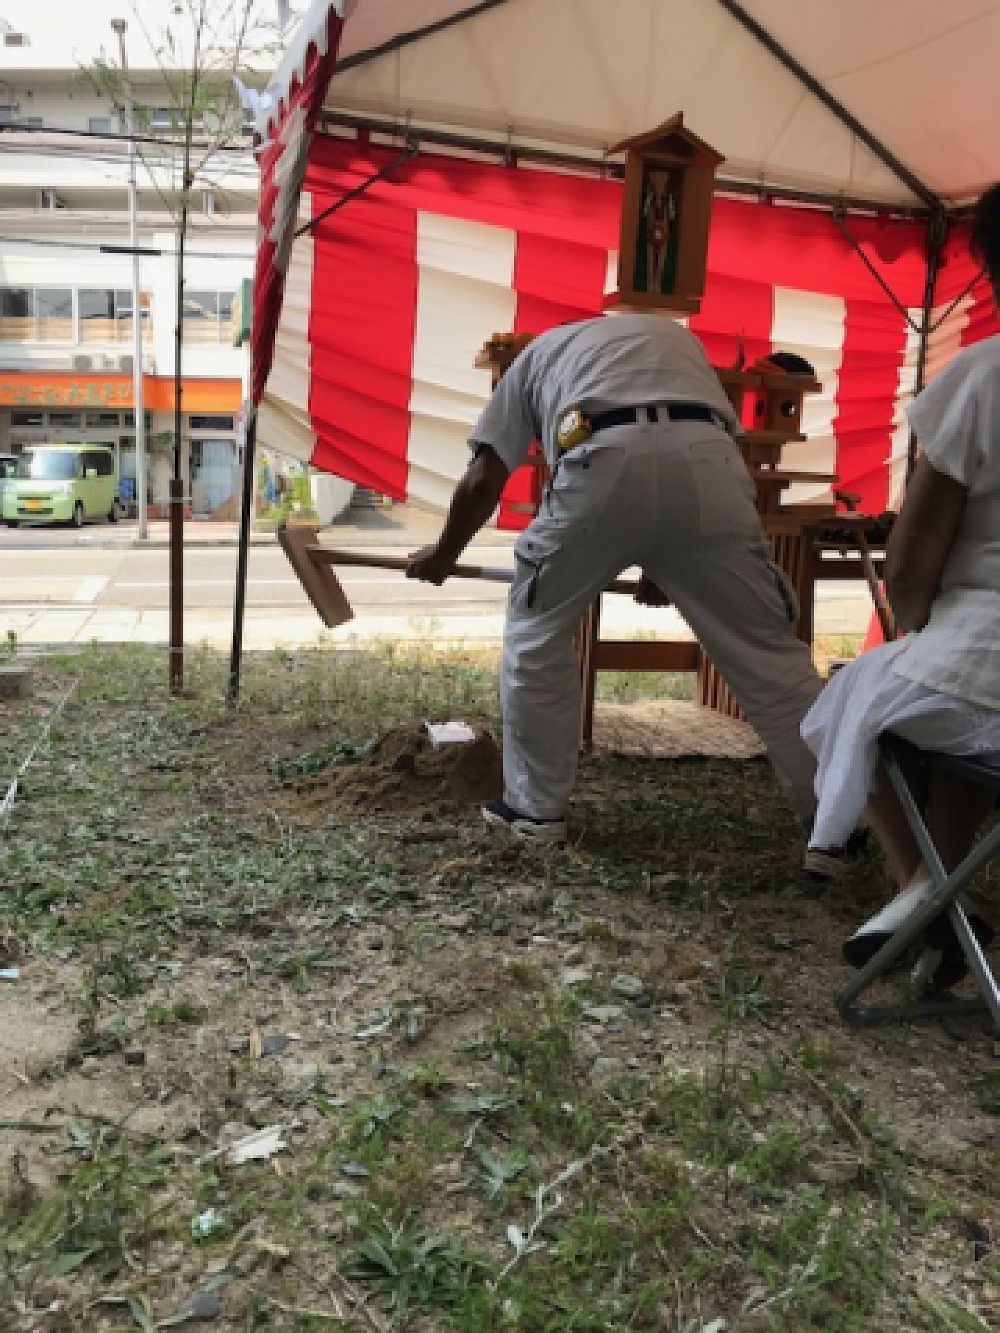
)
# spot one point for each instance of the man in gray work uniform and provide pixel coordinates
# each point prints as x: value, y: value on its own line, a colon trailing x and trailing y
x: 655, y: 481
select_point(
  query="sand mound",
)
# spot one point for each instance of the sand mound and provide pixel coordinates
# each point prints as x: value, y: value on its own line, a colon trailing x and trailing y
x: 672, y: 729
x: 404, y: 773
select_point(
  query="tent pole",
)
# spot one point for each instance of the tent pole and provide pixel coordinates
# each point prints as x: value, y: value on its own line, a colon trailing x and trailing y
x: 937, y: 234
x: 411, y: 150
x: 856, y: 247
x: 885, y: 156
x: 246, y: 509
x: 417, y: 35
x: 948, y: 311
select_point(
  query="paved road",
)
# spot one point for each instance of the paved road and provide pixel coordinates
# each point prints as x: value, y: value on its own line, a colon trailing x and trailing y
x: 61, y: 586
x: 138, y: 579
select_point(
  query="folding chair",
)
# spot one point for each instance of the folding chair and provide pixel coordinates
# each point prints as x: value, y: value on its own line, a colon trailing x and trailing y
x: 944, y: 899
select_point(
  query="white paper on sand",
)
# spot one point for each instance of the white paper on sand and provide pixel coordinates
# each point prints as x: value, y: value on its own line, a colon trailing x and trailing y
x: 449, y: 733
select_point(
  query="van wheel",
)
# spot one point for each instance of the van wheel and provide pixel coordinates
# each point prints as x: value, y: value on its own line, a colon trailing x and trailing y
x: 77, y: 519
x: 114, y: 514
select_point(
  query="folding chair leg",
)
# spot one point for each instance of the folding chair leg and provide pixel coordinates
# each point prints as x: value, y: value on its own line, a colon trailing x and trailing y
x: 867, y: 1015
x: 978, y: 963
x: 944, y: 898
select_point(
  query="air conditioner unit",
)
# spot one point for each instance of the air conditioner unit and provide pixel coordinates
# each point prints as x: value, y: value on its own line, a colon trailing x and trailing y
x: 125, y: 364
x: 106, y: 362
x: 83, y: 363
x: 149, y: 365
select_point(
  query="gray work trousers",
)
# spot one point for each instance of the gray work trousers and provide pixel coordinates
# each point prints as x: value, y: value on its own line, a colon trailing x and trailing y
x: 676, y: 499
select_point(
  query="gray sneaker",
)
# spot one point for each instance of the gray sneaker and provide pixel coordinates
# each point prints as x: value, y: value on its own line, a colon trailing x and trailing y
x: 551, y: 831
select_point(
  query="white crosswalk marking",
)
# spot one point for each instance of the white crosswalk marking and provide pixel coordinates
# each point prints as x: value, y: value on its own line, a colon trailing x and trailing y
x: 90, y: 589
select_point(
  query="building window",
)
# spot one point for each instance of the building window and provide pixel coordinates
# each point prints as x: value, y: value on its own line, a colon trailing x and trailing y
x: 17, y: 320
x: 208, y: 317
x: 39, y: 314
x: 98, y: 419
x: 53, y: 314
x: 27, y: 418
x: 213, y: 476
x: 98, y: 309
x: 106, y: 315
x: 158, y: 117
x: 227, y: 327
x: 210, y: 423
x: 66, y: 420
x: 100, y: 125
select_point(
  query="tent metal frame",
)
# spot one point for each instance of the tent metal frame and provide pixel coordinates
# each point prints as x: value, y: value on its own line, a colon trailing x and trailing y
x: 417, y: 35
x: 784, y: 57
x: 932, y: 208
x: 510, y: 151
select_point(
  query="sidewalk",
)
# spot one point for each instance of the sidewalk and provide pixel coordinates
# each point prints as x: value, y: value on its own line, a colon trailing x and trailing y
x: 398, y: 528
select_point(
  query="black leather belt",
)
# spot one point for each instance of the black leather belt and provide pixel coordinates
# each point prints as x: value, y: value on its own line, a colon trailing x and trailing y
x: 628, y: 416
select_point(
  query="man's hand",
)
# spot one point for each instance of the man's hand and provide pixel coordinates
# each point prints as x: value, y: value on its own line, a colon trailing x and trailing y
x: 428, y: 565
x: 474, y: 500
x: 648, y: 594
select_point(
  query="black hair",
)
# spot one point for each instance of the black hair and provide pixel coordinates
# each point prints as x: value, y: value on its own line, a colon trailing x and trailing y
x: 984, y: 243
x: 791, y: 363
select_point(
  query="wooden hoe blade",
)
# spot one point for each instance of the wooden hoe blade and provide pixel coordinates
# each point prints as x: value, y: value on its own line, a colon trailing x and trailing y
x: 320, y: 582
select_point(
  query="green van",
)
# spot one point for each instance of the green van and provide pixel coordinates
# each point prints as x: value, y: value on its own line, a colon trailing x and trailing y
x: 62, y: 483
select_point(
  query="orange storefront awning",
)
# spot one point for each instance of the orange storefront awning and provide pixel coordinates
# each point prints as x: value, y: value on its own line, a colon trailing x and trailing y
x: 69, y: 389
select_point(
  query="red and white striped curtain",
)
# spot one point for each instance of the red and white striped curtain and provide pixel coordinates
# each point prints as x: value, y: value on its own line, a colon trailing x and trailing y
x: 388, y: 301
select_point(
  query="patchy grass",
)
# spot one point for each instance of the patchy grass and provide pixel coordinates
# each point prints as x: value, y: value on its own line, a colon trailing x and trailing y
x: 600, y: 1088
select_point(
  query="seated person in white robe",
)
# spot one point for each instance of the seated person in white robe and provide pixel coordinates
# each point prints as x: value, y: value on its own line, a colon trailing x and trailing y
x: 939, y: 685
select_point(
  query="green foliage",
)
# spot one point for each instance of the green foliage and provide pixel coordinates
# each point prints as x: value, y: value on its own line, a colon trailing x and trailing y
x: 410, y: 1269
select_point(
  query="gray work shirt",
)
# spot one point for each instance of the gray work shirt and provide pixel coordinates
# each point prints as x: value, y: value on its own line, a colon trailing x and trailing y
x: 595, y: 365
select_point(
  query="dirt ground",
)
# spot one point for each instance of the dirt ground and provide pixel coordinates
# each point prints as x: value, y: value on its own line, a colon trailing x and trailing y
x: 302, y: 927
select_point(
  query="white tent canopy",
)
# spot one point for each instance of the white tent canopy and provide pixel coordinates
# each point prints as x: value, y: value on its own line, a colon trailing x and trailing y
x: 916, y: 83
x: 371, y: 326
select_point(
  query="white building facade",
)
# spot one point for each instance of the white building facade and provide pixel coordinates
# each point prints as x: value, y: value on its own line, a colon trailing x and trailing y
x: 66, y: 267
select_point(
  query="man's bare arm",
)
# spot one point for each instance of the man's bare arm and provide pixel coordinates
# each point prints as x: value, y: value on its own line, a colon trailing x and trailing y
x: 920, y: 543
x: 472, y: 504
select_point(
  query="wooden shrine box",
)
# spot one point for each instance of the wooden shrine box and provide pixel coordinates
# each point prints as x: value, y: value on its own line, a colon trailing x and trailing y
x: 666, y: 209
x: 738, y: 384
x: 777, y: 403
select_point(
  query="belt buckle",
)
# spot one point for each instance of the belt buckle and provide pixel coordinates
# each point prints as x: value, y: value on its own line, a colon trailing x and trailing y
x: 573, y: 429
